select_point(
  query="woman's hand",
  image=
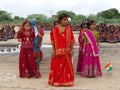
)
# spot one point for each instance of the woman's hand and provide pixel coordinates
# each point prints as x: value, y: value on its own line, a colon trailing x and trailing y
x: 83, y: 52
x: 72, y: 52
x: 53, y: 53
x: 39, y: 35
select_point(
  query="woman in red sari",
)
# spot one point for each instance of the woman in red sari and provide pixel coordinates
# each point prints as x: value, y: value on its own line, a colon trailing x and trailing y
x: 27, y: 66
x: 62, y: 40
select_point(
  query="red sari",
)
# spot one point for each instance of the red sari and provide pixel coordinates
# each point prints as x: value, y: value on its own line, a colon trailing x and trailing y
x: 27, y: 66
x: 61, y: 70
x: 42, y: 34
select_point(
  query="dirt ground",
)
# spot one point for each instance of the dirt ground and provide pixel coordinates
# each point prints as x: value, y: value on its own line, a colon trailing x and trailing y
x: 9, y: 79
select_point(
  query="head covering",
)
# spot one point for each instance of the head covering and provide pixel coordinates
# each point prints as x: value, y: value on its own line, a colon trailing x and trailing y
x: 32, y: 22
x: 25, y: 22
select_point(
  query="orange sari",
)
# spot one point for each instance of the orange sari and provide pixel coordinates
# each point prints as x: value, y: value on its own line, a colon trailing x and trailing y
x: 61, y: 70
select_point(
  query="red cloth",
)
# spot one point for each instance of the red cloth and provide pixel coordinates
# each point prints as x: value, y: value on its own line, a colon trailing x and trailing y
x: 27, y: 65
x: 41, y: 55
x: 81, y: 31
x: 41, y: 33
x: 61, y: 71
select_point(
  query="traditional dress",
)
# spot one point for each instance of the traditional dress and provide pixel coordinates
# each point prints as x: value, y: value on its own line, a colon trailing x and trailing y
x: 36, y: 43
x: 80, y: 55
x: 61, y: 70
x: 91, y: 63
x: 27, y: 65
x: 40, y: 41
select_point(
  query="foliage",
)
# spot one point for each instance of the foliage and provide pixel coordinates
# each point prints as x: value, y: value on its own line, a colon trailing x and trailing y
x: 70, y: 13
x: 107, y: 16
x: 5, y: 17
x: 18, y: 19
x: 77, y: 19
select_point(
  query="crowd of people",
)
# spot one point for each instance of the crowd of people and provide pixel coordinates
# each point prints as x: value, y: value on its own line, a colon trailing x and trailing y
x: 108, y: 33
x: 6, y: 32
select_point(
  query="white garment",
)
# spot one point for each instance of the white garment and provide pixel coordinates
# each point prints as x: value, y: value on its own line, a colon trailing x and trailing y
x: 16, y: 28
x: 36, y: 31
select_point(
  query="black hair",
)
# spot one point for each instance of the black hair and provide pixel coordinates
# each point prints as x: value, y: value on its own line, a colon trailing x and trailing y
x: 61, y: 16
x: 83, y: 25
x: 54, y: 23
x: 91, y: 22
x: 85, y: 20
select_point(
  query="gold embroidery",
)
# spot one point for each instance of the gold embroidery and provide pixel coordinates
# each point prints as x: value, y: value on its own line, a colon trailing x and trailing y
x: 60, y: 65
x: 69, y: 75
x: 27, y: 39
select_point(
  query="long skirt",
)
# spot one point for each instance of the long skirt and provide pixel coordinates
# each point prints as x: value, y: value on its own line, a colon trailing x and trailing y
x: 80, y: 60
x: 61, y: 71
x: 91, y: 64
x: 27, y: 65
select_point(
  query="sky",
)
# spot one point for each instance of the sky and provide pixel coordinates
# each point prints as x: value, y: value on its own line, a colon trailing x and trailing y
x: 23, y: 8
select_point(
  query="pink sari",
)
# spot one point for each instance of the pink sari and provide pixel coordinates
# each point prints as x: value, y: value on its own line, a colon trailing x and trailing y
x: 91, y: 63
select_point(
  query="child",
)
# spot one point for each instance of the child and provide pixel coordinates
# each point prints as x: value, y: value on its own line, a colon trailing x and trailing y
x: 37, y: 43
x: 62, y: 40
x: 91, y: 63
x: 27, y: 66
x: 40, y: 40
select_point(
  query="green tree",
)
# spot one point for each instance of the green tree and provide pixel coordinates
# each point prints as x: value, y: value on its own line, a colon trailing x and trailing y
x: 77, y: 19
x: 5, y: 17
x: 39, y: 17
x: 18, y: 19
x: 92, y: 16
x: 109, y: 14
x: 70, y: 13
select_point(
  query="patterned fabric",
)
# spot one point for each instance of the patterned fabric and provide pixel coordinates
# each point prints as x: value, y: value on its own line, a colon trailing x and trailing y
x: 36, y: 47
x: 27, y: 66
x: 91, y: 62
x: 61, y: 70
